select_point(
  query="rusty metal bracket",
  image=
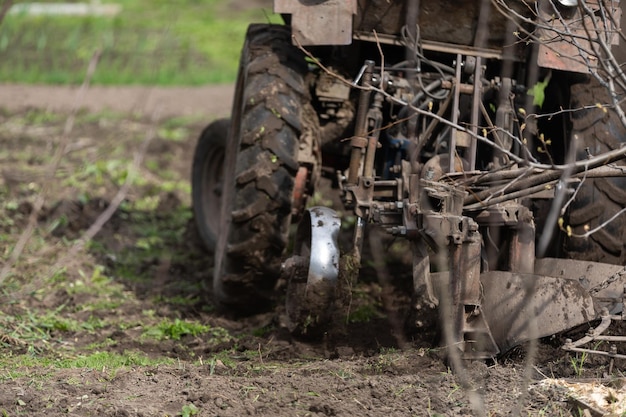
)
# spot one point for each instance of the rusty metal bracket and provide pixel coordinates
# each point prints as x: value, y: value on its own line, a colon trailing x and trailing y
x: 597, y: 335
x: 565, y: 41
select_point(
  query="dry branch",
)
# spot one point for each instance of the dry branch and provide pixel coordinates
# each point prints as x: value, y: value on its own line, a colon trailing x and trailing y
x: 119, y: 197
x: 50, y: 171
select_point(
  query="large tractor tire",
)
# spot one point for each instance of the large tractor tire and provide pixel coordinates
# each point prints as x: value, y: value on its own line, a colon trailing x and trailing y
x: 595, y: 131
x: 274, y: 129
x: 207, y: 178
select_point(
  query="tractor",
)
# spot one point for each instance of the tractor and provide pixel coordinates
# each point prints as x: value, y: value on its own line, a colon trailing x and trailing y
x: 488, y: 134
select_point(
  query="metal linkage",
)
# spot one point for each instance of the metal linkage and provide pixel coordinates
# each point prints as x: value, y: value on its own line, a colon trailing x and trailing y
x: 596, y: 335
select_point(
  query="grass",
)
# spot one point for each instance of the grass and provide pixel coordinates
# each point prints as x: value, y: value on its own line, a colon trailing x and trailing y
x: 83, y: 298
x: 176, y: 329
x: 22, y: 365
x: 141, y: 277
x: 578, y: 363
x: 186, y: 42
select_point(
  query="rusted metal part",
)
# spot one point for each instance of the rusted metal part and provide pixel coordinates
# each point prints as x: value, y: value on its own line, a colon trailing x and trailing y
x: 452, y: 152
x: 565, y: 38
x: 374, y: 122
x: 447, y: 48
x: 597, y: 335
x: 470, y: 331
x: 477, y: 95
x: 522, y: 307
x: 458, y: 25
x: 301, y: 186
x: 458, y: 291
x: 522, y: 247
x: 515, y: 223
x: 319, y: 22
x: 329, y: 89
x: 360, y: 124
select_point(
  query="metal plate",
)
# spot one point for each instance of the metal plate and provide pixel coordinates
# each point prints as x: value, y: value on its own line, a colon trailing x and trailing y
x: 319, y: 22
x: 522, y: 307
x: 566, y: 46
x: 605, y: 281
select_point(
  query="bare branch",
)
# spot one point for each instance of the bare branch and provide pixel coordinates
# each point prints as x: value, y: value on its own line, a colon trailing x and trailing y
x: 50, y: 171
x: 119, y: 197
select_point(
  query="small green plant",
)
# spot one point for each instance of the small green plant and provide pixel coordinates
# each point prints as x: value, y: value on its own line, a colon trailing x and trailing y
x: 188, y: 410
x: 177, y: 329
x: 578, y: 363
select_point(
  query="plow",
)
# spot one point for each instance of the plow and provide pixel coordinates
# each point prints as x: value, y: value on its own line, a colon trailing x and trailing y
x: 487, y: 134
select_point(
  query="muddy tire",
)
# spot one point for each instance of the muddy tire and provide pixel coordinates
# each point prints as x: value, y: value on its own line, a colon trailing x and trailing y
x: 207, y: 178
x: 598, y: 199
x: 273, y: 128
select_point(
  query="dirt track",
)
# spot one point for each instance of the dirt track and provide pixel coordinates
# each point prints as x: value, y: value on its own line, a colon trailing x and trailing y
x: 257, y: 368
x: 214, y: 101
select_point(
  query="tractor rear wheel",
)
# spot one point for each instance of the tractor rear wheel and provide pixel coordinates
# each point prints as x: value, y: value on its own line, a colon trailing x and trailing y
x: 594, y: 131
x: 207, y: 178
x: 274, y: 129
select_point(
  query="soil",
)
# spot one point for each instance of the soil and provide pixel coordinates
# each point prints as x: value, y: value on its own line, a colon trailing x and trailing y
x: 377, y: 364
x: 208, y: 101
x: 373, y: 365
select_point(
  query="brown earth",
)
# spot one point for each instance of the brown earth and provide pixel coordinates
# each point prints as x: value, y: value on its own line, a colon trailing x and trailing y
x: 209, y: 101
x: 251, y: 366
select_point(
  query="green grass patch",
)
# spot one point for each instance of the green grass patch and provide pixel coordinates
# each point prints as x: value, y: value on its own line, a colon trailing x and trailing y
x: 32, y: 326
x: 187, y: 42
x: 176, y: 329
x: 16, y: 366
x: 364, y: 314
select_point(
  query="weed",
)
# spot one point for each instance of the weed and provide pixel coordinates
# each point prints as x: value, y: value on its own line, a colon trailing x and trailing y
x: 220, y: 361
x: 108, y: 342
x: 176, y: 329
x: 188, y: 410
x: 344, y: 375
x: 578, y: 363
x: 364, y: 314
x: 263, y: 331
x: 101, y: 361
x: 175, y: 134
x: 112, y: 361
x: 318, y: 199
x: 455, y: 388
x: 401, y: 390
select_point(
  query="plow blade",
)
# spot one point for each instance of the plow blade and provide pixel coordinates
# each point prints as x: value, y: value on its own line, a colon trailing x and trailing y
x: 522, y: 307
x: 605, y: 282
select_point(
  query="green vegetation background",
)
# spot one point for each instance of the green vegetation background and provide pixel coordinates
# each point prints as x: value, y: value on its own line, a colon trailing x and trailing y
x: 151, y: 42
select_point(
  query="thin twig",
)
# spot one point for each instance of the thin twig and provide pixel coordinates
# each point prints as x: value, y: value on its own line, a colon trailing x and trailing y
x: 119, y: 197
x: 51, y: 170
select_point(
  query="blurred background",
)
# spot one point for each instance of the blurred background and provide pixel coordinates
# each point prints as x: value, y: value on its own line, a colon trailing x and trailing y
x: 142, y: 42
